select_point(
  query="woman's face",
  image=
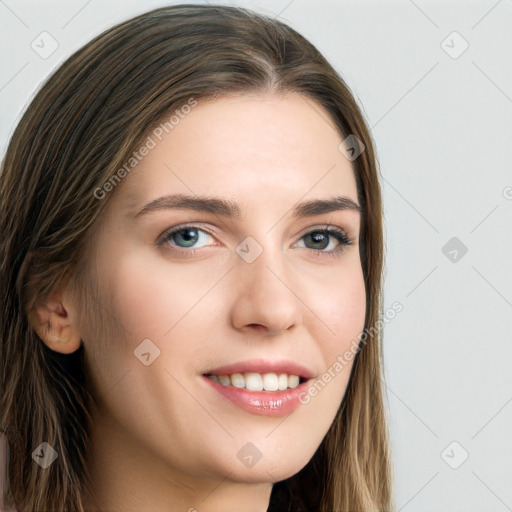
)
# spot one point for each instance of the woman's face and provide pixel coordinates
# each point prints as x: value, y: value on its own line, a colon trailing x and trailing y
x: 244, y: 287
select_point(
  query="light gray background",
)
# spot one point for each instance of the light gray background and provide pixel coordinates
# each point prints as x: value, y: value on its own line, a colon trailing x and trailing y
x: 443, y: 130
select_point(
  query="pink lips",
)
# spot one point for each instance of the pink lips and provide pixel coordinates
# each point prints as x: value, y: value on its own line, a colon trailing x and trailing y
x: 266, y: 403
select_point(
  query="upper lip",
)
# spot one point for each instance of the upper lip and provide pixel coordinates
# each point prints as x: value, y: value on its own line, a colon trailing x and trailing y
x: 264, y: 366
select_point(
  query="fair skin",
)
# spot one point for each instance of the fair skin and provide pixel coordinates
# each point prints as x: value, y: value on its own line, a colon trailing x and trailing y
x: 163, y: 439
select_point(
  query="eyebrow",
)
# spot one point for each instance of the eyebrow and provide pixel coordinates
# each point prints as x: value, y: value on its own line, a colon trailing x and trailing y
x: 231, y: 209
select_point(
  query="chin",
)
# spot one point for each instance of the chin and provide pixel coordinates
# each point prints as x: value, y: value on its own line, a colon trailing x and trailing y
x: 267, y: 469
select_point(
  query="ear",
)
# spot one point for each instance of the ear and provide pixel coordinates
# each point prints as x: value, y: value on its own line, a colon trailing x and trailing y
x: 53, y: 321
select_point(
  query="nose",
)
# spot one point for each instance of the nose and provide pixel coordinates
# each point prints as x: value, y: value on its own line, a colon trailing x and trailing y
x: 264, y: 299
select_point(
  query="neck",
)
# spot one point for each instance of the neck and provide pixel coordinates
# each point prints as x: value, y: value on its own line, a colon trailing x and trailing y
x: 128, y: 477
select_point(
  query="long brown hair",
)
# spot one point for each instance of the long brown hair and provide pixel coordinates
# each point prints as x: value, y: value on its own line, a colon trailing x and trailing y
x: 79, y: 130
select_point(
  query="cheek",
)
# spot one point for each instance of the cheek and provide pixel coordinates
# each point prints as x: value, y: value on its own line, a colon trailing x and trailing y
x: 175, y: 306
x: 339, y: 304
x: 142, y: 298
x: 154, y: 298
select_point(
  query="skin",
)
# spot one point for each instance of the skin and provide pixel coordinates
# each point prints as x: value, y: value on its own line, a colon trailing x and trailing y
x: 161, y: 436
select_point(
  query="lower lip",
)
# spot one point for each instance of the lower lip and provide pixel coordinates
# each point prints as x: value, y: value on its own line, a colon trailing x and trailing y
x: 265, y: 403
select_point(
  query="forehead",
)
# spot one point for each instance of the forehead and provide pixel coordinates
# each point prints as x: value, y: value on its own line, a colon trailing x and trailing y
x: 248, y: 148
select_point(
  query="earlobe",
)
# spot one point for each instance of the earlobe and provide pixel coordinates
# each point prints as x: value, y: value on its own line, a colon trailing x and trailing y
x: 51, y: 322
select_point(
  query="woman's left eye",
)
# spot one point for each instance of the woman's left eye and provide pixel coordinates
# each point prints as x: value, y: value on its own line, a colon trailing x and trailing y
x: 322, y: 239
x: 327, y: 239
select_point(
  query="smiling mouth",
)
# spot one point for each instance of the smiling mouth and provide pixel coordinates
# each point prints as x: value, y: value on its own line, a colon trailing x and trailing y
x: 252, y: 381
x: 262, y: 386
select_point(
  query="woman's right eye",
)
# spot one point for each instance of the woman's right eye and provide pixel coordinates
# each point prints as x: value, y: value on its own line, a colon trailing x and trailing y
x: 185, y: 237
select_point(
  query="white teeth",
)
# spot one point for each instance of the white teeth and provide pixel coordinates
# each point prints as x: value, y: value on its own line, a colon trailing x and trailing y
x: 257, y: 381
x: 237, y: 380
x: 253, y: 382
x: 293, y: 381
x: 283, y: 381
x: 270, y: 382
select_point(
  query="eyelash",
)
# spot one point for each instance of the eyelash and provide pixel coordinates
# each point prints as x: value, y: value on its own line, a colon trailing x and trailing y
x: 333, y: 231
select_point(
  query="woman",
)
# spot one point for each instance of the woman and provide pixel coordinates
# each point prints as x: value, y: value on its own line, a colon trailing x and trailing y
x: 191, y: 257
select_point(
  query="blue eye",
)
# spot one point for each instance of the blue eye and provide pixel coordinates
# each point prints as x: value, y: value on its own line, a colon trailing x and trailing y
x: 329, y: 240
x: 187, y: 236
